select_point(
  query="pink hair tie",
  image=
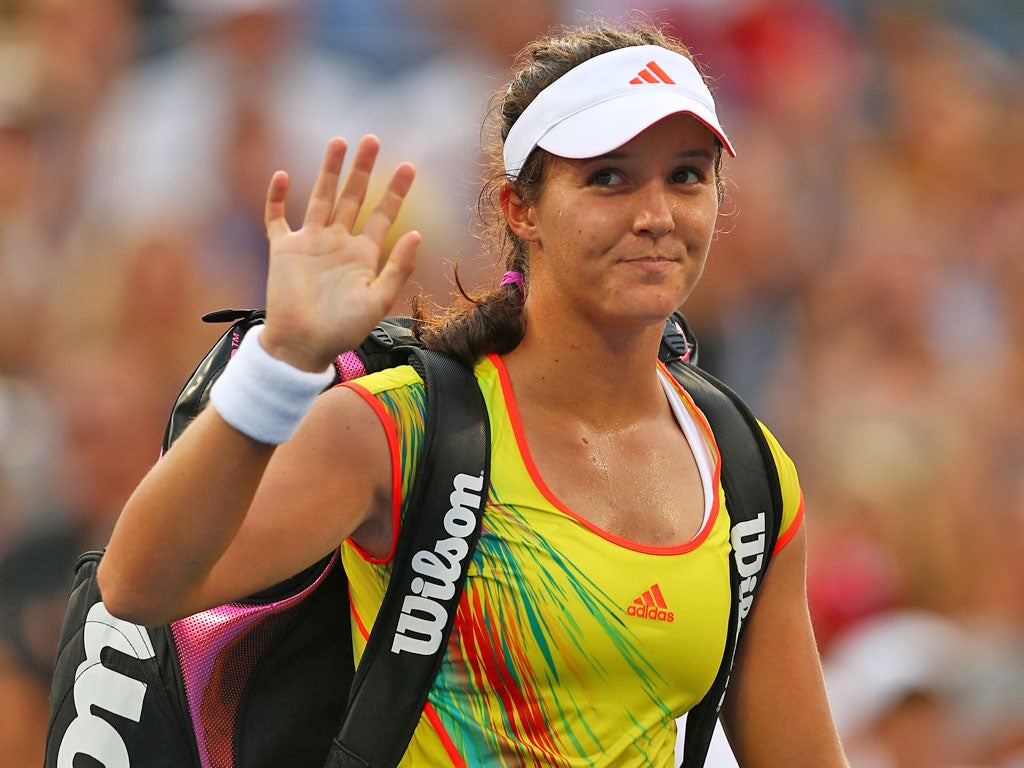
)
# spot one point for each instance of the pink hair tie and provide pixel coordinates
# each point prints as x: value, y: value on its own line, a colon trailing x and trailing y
x: 513, y: 278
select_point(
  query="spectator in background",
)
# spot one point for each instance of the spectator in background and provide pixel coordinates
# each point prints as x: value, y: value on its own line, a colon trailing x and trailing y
x: 188, y: 137
x: 917, y: 689
x: 59, y: 58
x: 893, y: 684
x: 25, y: 269
x: 389, y: 35
x: 920, y: 295
x: 67, y: 409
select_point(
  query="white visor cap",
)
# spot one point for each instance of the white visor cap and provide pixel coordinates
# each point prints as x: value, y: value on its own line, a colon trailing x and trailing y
x: 604, y: 102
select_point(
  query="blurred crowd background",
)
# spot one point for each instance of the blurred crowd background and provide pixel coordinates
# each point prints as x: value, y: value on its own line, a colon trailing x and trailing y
x: 865, y: 294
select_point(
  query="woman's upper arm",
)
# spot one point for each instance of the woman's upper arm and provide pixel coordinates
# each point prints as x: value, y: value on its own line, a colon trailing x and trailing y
x: 776, y: 713
x: 332, y: 478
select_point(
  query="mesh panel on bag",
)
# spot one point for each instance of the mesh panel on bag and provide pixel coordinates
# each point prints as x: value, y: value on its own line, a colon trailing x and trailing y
x: 218, y: 650
x: 349, y: 366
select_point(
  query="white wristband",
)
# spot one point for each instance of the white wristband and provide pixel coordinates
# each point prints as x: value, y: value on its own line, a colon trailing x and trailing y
x: 263, y: 397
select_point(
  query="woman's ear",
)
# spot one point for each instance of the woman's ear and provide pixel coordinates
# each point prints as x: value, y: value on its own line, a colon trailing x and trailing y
x: 518, y: 214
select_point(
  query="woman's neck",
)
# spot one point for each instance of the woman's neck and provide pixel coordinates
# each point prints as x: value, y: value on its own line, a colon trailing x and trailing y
x: 600, y: 377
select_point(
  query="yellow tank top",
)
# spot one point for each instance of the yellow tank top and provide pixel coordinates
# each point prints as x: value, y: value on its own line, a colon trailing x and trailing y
x: 571, y: 646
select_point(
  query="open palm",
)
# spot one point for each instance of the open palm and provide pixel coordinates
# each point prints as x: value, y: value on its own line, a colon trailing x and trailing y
x: 326, y: 287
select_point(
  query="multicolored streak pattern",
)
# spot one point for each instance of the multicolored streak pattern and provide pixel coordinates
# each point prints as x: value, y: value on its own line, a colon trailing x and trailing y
x: 547, y: 665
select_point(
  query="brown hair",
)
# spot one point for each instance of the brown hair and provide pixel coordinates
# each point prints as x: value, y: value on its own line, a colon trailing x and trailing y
x: 494, y: 321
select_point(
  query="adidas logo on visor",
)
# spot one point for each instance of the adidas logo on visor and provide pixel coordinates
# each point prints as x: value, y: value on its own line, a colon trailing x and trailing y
x: 652, y: 73
x: 651, y: 605
x: 596, y: 106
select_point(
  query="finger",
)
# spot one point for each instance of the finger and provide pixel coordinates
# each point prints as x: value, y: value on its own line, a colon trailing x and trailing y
x: 353, y: 193
x: 273, y: 213
x: 321, y: 200
x: 383, y: 216
x: 399, y: 265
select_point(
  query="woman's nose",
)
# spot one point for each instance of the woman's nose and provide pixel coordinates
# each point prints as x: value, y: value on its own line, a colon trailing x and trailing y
x: 653, y: 217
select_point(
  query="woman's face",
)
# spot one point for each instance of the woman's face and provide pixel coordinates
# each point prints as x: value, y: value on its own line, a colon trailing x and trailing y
x: 624, y: 237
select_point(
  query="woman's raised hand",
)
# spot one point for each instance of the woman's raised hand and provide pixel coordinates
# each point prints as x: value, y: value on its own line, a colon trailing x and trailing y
x: 326, y: 287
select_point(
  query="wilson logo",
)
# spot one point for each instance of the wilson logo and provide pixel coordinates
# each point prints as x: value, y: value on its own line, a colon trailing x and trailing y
x: 748, y: 549
x: 651, y: 605
x: 652, y: 73
x: 423, y: 615
x: 98, y: 687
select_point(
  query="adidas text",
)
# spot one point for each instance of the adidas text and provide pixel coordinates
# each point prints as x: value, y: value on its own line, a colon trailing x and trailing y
x: 650, y: 612
x: 99, y: 687
x: 748, y: 549
x: 423, y: 617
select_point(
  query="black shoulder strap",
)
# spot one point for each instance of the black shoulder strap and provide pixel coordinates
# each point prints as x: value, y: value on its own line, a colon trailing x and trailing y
x: 438, y: 535
x: 754, y: 500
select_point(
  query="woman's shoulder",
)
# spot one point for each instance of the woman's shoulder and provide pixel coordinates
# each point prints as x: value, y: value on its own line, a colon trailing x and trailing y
x: 784, y: 464
x: 789, y: 483
x: 387, y: 380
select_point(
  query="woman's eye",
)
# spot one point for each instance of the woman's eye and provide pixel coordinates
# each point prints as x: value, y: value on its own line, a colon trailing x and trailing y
x: 688, y: 176
x: 606, y: 177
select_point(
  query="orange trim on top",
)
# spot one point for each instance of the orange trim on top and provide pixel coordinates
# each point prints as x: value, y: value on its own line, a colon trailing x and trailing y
x: 396, y: 472
x: 789, y: 533
x: 524, y: 450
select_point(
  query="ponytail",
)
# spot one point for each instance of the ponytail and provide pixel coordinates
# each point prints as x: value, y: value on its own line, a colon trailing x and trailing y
x: 476, y: 324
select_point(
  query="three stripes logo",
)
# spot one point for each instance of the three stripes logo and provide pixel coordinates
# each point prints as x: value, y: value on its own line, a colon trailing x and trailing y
x: 652, y: 73
x: 651, y: 605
